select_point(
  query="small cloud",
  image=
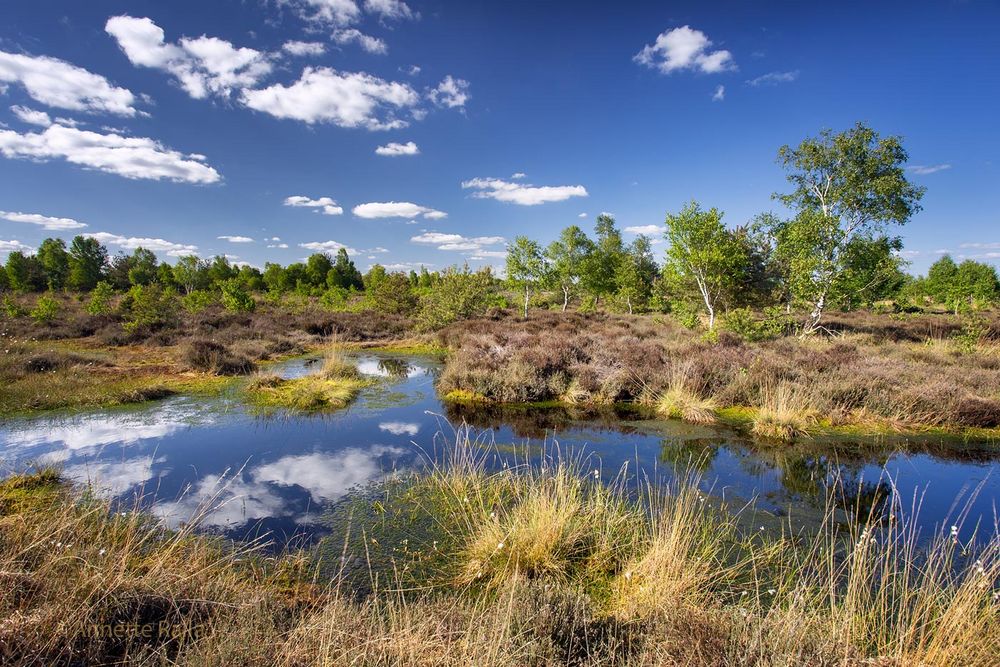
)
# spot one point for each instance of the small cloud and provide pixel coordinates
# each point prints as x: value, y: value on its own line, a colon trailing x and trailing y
x: 297, y: 48
x: 13, y: 246
x: 923, y: 170
x: 684, y: 48
x: 46, y: 222
x: 324, y: 205
x: 366, y: 42
x: 720, y: 94
x: 328, y: 246
x: 393, y: 149
x: 582, y: 215
x: 522, y: 194
x: 517, y: 176
x: 457, y: 242
x: 773, y: 78
x: 450, y: 93
x: 648, y: 230
x: 31, y: 116
x: 235, y: 239
x: 394, y: 209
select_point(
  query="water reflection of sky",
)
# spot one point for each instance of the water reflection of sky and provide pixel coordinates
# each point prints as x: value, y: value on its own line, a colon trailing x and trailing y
x: 244, y: 474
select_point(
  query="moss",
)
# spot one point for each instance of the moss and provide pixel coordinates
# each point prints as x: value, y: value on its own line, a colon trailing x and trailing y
x: 30, y: 492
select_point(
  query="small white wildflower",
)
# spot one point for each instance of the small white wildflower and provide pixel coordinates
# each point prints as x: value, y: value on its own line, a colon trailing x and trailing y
x: 954, y: 531
x: 979, y: 567
x: 59, y: 544
x: 500, y: 546
x: 771, y: 591
x: 596, y: 473
x: 628, y: 576
x: 762, y: 529
x: 742, y: 593
x: 102, y: 552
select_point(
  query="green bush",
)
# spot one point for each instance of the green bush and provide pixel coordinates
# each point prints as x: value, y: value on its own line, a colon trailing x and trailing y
x: 11, y: 308
x: 45, y: 310
x: 974, y: 328
x: 461, y: 294
x: 100, y: 299
x: 198, y: 300
x: 148, y: 307
x: 685, y: 314
x: 744, y: 323
x: 235, y: 298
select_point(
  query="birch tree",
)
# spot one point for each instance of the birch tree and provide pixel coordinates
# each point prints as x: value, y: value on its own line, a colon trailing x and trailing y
x: 846, y: 186
x: 526, y: 267
x: 703, y: 252
x: 567, y: 256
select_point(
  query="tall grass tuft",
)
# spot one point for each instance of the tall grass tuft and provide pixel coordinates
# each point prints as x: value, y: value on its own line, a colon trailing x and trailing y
x: 783, y: 414
x: 678, y: 401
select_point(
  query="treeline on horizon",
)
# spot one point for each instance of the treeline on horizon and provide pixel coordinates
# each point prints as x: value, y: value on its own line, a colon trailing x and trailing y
x: 836, y: 251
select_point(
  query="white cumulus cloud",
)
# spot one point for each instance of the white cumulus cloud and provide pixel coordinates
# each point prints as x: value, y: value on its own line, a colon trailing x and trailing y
x: 298, y: 48
x: 46, y: 222
x: 647, y: 230
x: 390, y: 9
x: 450, y: 93
x: 324, y: 205
x: 14, y: 245
x: 235, y: 239
x: 720, y: 94
x: 31, y: 116
x: 328, y: 246
x: 396, y: 209
x: 684, y: 48
x: 393, y: 149
x: 366, y: 42
x: 131, y: 157
x: 325, y: 12
x: 57, y: 83
x: 346, y: 99
x: 456, y: 242
x: 202, y: 66
x: 522, y: 193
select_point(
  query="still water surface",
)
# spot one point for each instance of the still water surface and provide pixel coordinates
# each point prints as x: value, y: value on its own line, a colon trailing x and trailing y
x: 278, y: 474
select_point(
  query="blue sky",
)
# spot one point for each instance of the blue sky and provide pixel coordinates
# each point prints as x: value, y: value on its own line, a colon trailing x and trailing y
x: 218, y: 127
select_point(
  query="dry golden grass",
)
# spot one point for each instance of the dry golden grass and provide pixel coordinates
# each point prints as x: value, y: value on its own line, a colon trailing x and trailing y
x: 680, y: 402
x: 783, y: 415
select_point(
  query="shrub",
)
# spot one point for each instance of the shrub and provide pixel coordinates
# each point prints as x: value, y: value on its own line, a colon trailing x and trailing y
x: 460, y: 295
x: 45, y: 310
x: 11, y: 308
x: 974, y: 328
x: 685, y: 314
x: 235, y: 298
x: 148, y: 307
x: 743, y: 323
x: 100, y: 299
x: 214, y: 357
x: 198, y: 300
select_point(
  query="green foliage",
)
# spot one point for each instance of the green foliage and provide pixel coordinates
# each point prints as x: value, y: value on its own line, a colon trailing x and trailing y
x: 600, y: 266
x: 527, y: 268
x: 198, y: 300
x: 847, y: 186
x: 100, y: 299
x: 11, y: 308
x: 54, y: 261
x: 745, y: 324
x: 967, y: 286
x: 460, y: 294
x: 685, y: 314
x: 143, y: 270
x: 235, y: 298
x: 45, y: 310
x: 88, y: 260
x: 191, y: 273
x: 389, y: 292
x: 703, y: 255
x: 148, y: 307
x: 567, y: 257
x: 974, y: 328
x: 635, y: 274
x: 24, y: 272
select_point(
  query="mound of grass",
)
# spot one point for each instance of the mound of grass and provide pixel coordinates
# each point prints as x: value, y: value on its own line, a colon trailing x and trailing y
x: 334, y: 387
x: 679, y: 403
x: 783, y: 415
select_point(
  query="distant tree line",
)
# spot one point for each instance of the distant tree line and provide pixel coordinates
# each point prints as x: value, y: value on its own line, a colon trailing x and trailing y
x: 836, y: 250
